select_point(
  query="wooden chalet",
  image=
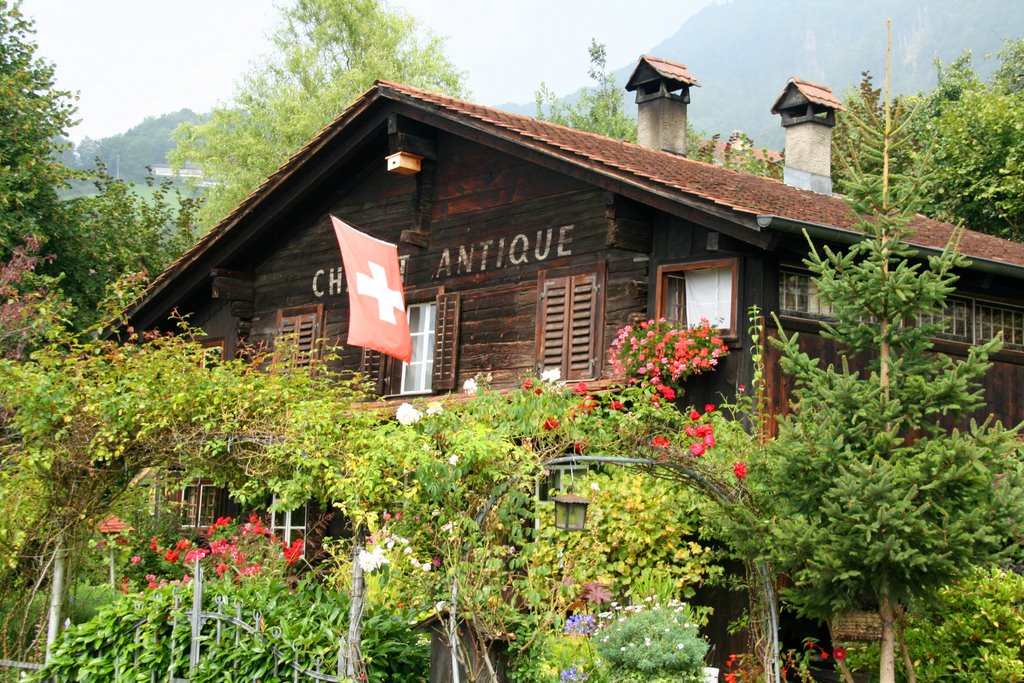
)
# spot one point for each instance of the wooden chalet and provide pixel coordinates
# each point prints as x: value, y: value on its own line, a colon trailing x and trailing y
x: 526, y: 245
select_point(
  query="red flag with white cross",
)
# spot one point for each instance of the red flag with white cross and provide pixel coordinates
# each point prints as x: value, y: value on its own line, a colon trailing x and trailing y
x: 375, y: 298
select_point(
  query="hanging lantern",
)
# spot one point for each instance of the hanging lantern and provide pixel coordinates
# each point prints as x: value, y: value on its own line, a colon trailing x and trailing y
x: 570, y: 511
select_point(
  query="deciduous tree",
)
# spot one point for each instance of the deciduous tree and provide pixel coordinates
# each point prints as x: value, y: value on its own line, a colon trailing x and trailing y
x: 327, y: 52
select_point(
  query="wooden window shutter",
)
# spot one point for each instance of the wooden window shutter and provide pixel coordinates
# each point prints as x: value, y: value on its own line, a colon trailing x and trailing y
x: 569, y: 325
x: 376, y: 367
x: 301, y: 328
x: 446, y: 341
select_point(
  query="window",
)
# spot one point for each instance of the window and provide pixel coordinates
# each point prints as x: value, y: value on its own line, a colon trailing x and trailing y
x: 955, y: 320
x: 434, y: 326
x: 570, y: 312
x: 990, y: 320
x: 213, y: 352
x: 199, y: 505
x: 418, y: 373
x: 964, y: 319
x: 692, y: 291
x: 288, y: 525
x: 798, y: 296
x: 298, y: 330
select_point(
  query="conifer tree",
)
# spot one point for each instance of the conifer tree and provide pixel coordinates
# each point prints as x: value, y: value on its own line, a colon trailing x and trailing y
x: 876, y: 501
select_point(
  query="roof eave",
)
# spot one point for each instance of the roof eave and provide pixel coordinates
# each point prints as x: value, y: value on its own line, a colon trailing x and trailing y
x: 845, y: 236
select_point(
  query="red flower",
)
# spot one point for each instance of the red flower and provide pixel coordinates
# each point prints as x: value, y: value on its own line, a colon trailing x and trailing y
x: 615, y: 405
x: 660, y: 441
x: 690, y: 431
x: 221, y: 568
x: 709, y: 408
x: 740, y: 470
x: 551, y: 423
x: 538, y: 391
x: 698, y: 448
x: 694, y: 415
x: 578, y: 447
x: 581, y: 388
x: 183, y: 544
x: 527, y: 384
x: 172, y: 555
x: 668, y: 392
x: 839, y: 653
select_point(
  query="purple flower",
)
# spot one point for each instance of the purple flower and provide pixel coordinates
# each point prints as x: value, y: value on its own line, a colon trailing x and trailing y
x: 572, y: 675
x: 580, y: 625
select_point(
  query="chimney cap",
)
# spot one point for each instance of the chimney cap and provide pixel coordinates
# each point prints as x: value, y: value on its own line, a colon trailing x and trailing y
x: 651, y: 69
x: 800, y: 93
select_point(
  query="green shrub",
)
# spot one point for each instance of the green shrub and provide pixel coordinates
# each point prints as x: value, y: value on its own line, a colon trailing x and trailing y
x: 311, y: 620
x: 660, y: 643
x: 641, y: 535
x: 975, y: 626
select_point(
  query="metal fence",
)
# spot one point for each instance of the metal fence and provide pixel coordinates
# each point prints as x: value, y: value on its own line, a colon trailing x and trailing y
x: 228, y: 624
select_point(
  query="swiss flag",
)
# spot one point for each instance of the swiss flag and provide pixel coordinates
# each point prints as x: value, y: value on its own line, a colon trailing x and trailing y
x: 375, y: 298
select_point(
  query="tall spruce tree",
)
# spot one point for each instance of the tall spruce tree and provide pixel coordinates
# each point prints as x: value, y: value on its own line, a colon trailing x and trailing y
x: 876, y: 500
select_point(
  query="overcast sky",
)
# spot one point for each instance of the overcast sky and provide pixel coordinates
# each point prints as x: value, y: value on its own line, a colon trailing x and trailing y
x: 129, y: 59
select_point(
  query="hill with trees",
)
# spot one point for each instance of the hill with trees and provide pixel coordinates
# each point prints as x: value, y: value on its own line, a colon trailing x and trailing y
x: 742, y: 52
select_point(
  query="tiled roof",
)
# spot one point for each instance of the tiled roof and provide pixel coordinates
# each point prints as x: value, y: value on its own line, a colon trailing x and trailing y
x: 667, y: 175
x: 740, y: 192
x: 667, y: 69
x: 817, y: 94
x: 112, y: 525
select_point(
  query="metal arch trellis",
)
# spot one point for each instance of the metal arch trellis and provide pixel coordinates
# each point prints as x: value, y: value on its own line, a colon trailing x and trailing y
x: 678, y: 472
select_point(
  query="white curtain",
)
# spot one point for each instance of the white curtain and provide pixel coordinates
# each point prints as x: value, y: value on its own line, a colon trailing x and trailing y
x: 709, y: 295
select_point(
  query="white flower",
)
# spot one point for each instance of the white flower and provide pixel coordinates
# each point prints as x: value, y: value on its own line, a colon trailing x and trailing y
x: 435, y: 409
x: 371, y: 561
x: 594, y: 486
x: 425, y: 566
x: 408, y: 551
x: 551, y: 375
x: 454, y: 460
x: 469, y: 386
x: 407, y: 414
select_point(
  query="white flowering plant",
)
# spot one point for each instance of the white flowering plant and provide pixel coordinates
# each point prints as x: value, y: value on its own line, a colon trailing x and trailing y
x: 653, y: 643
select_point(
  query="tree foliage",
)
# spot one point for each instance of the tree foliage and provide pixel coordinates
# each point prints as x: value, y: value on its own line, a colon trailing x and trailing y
x: 876, y: 499
x: 88, y: 242
x: 327, y: 52
x: 599, y: 110
x: 966, y: 143
x: 34, y: 114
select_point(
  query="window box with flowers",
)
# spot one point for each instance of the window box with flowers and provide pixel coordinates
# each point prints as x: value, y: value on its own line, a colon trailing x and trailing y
x: 665, y: 353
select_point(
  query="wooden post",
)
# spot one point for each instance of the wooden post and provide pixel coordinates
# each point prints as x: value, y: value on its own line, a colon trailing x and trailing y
x: 354, y: 664
x: 56, y: 594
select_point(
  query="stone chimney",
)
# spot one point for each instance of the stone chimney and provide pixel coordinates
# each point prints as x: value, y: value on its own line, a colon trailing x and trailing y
x: 808, y: 114
x: 662, y: 93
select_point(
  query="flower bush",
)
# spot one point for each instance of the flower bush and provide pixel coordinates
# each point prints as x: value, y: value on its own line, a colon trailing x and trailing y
x: 654, y: 644
x: 660, y: 352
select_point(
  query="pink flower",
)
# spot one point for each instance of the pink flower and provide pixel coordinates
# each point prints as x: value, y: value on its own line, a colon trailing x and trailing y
x: 697, y: 448
x: 136, y: 559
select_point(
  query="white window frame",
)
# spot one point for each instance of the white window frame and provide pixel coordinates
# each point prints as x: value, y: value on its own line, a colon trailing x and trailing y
x: 418, y: 373
x: 282, y: 522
